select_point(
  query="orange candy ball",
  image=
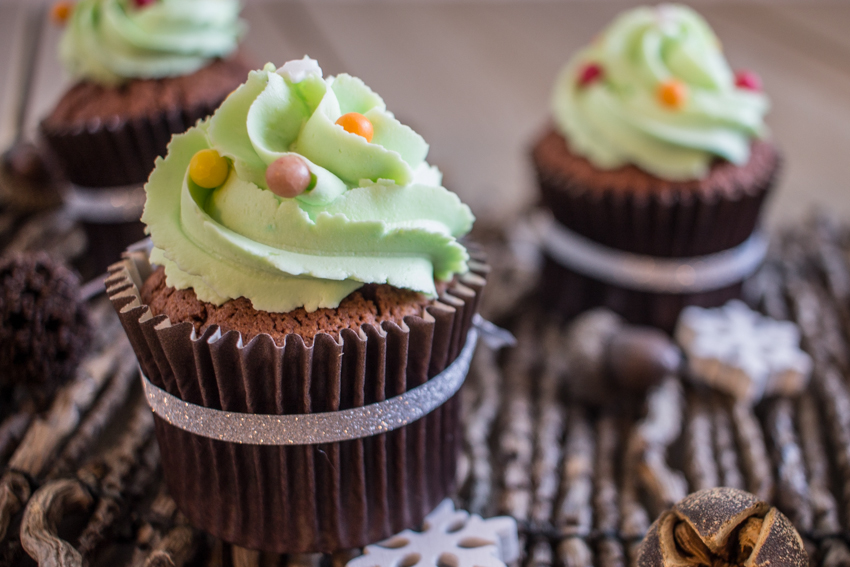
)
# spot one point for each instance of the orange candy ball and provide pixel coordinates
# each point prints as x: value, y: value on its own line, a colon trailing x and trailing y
x: 356, y: 123
x: 61, y: 11
x: 288, y: 176
x: 673, y: 94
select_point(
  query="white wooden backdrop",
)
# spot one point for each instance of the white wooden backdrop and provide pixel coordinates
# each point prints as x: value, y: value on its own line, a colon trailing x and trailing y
x: 473, y: 77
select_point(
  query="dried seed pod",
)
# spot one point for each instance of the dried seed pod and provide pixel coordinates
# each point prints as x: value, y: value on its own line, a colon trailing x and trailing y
x: 44, y: 325
x: 722, y: 526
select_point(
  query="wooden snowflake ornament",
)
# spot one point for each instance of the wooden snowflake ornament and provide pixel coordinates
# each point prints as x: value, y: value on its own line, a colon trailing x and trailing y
x: 743, y: 353
x: 450, y: 538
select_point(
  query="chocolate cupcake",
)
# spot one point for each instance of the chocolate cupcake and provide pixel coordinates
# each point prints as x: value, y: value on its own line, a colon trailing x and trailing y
x: 143, y: 71
x: 310, y: 284
x: 654, y: 172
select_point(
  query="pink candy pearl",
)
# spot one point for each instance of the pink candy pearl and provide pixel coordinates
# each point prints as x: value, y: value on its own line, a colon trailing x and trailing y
x: 589, y: 73
x: 288, y: 176
x: 748, y: 80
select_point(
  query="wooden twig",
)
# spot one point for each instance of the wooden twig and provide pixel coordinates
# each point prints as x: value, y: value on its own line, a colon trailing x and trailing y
x: 516, y: 439
x: 835, y: 401
x: 724, y: 446
x: 574, y: 552
x: 478, y: 424
x: 754, y: 457
x: 792, y: 490
x: 700, y: 464
x: 39, y: 525
x: 13, y: 429
x: 574, y: 515
x: 634, y: 521
x: 118, y: 463
x: 112, y: 401
x: 652, y: 437
x: 549, y: 426
x: 175, y: 549
x: 823, y: 503
x: 609, y: 549
x: 540, y: 554
x: 46, y: 434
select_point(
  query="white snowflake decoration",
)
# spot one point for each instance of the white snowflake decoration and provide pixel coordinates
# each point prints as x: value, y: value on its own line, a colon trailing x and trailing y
x: 741, y: 352
x: 450, y: 538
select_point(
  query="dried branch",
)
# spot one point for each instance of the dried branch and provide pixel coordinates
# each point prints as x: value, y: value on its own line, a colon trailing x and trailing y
x: 15, y: 492
x: 835, y: 403
x: 13, y: 429
x: 574, y: 552
x: 574, y: 514
x: 108, y: 405
x: 823, y: 503
x: 609, y: 553
x: 650, y: 441
x: 119, y: 463
x: 724, y: 446
x: 605, y: 496
x: 38, y: 528
x: 550, y: 430
x: 175, y: 549
x: 516, y: 440
x: 835, y: 553
x: 754, y: 457
x: 540, y: 555
x: 46, y: 434
x: 792, y: 490
x: 478, y: 424
x: 700, y: 465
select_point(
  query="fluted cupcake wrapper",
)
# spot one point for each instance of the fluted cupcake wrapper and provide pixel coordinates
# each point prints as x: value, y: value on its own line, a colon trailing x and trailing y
x: 670, y: 221
x: 118, y: 151
x: 307, y: 498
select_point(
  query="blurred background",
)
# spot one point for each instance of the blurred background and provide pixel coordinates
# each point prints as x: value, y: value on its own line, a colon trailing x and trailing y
x: 474, y: 78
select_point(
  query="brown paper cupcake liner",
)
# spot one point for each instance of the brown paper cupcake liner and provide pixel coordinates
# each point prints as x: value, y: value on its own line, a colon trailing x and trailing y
x: 305, y: 498
x: 118, y: 151
x: 666, y: 223
x: 718, y: 214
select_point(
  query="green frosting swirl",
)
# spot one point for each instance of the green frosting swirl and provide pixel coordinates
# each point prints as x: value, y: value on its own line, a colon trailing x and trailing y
x: 375, y: 214
x: 618, y: 118
x: 111, y: 41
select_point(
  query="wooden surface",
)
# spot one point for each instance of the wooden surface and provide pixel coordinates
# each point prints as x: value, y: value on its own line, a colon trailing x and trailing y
x: 474, y: 79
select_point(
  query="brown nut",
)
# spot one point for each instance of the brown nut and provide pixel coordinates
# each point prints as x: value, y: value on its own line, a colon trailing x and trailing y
x: 722, y: 527
x: 585, y: 345
x: 640, y: 357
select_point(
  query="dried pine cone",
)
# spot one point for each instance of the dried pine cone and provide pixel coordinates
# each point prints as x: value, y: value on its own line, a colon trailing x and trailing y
x: 722, y: 527
x: 44, y: 327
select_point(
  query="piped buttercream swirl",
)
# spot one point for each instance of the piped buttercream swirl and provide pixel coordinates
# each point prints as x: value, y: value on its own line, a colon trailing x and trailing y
x: 376, y: 212
x: 615, y: 113
x: 111, y: 41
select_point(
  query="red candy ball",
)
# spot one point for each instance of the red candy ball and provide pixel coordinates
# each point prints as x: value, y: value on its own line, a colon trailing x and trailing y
x: 143, y: 3
x: 590, y: 73
x: 748, y: 80
x: 288, y: 176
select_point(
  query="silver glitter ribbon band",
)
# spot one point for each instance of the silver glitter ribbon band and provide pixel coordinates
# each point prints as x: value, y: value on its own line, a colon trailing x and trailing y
x: 107, y: 205
x: 329, y: 427
x: 649, y: 273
